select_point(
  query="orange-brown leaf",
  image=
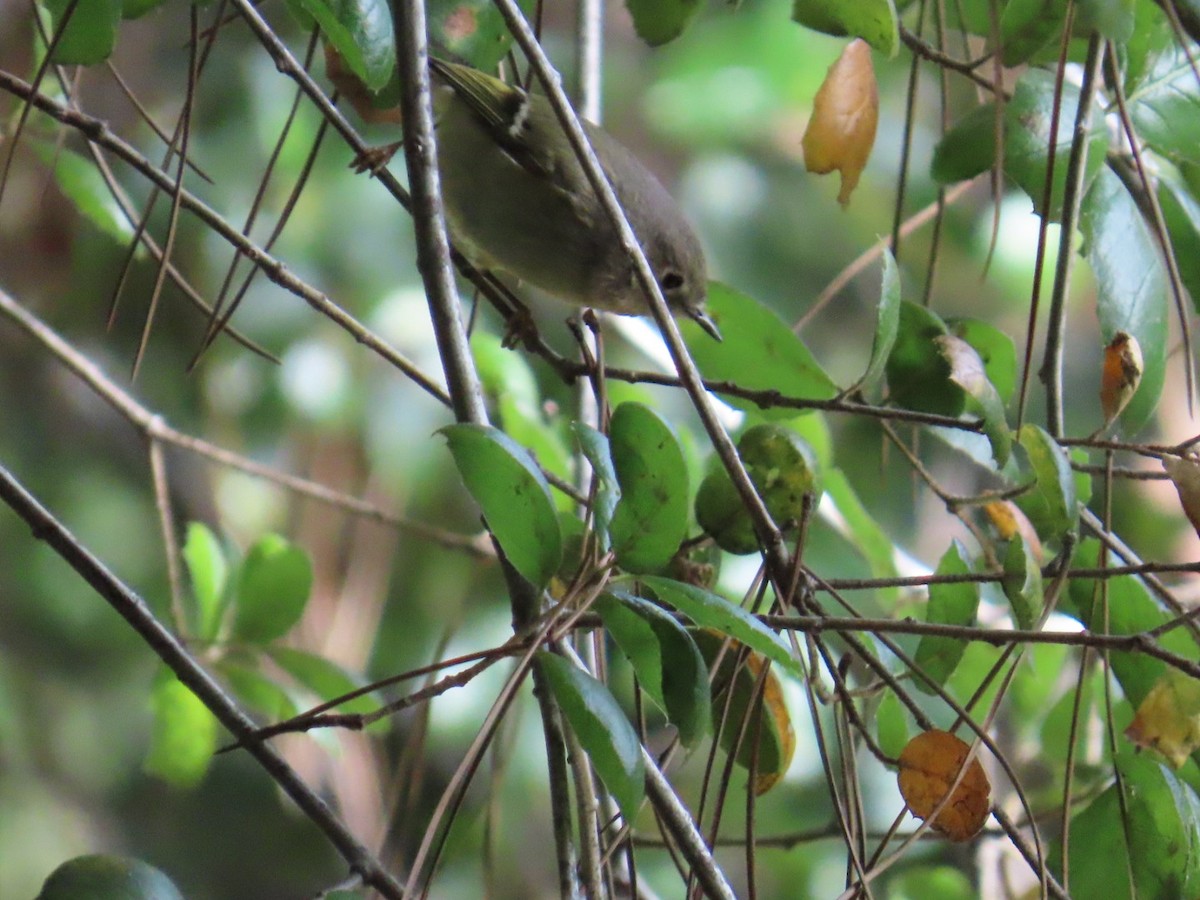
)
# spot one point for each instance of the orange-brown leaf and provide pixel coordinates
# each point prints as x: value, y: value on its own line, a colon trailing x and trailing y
x: 929, y: 765
x: 841, y: 132
x: 1121, y: 374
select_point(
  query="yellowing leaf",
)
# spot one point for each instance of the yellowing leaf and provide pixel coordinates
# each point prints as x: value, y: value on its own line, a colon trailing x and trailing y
x: 1169, y: 718
x: 1185, y: 474
x: 1008, y: 520
x: 733, y: 692
x: 841, y: 132
x: 1120, y: 375
x: 929, y: 765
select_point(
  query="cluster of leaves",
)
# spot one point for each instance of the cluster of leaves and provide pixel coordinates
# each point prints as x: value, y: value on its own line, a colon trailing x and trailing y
x: 238, y: 615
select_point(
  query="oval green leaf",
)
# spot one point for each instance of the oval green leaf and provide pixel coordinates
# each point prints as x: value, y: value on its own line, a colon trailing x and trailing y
x: 887, y: 322
x: 1023, y: 582
x: 183, y: 737
x: 918, y: 373
x: 361, y: 32
x: 272, y: 591
x: 1132, y: 284
x: 759, y: 352
x: 514, y: 497
x: 954, y: 603
x: 602, y: 729
x: 740, y: 718
x: 1050, y: 502
x: 104, y: 877
x: 595, y: 448
x: 650, y: 520
x: 660, y: 21
x: 90, y: 34
x: 209, y: 572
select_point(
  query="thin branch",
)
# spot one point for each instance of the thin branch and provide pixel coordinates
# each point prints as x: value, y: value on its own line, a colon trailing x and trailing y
x: 176, y: 657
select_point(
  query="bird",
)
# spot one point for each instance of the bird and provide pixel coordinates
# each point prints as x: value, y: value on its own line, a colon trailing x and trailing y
x: 517, y: 201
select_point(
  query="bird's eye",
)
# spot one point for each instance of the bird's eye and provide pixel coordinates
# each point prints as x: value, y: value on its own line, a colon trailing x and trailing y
x: 671, y: 281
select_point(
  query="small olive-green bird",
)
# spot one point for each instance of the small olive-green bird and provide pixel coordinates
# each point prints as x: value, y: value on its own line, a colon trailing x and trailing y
x: 518, y: 201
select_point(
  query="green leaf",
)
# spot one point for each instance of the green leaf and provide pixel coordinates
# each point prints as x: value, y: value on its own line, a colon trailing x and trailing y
x: 862, y: 530
x: 184, y: 734
x: 650, y: 520
x: 660, y: 21
x: 324, y: 678
x: 273, y: 589
x: 1181, y: 213
x: 1029, y: 26
x: 709, y: 610
x: 983, y: 400
x: 91, y: 33
x: 887, y: 321
x: 1050, y: 503
x: 361, y: 32
x: 602, y: 729
x: 511, y: 384
x: 932, y: 882
x: 1132, y: 284
x: 473, y: 31
x: 891, y: 724
x: 134, y: 9
x: 1165, y: 106
x: 1152, y: 35
x: 595, y: 447
x: 1124, y: 607
x: 514, y: 497
x: 1114, y: 19
x: 1153, y: 830
x: 104, y: 877
x: 1023, y: 582
x: 918, y: 372
x: 953, y: 603
x: 759, y: 352
x: 969, y: 148
x: 81, y: 183
x: 256, y: 691
x: 209, y: 572
x: 664, y: 657
x: 872, y: 20
x: 721, y: 513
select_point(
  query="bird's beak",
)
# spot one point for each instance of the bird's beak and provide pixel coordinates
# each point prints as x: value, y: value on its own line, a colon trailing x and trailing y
x: 700, y: 317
